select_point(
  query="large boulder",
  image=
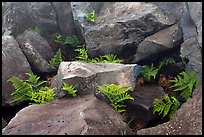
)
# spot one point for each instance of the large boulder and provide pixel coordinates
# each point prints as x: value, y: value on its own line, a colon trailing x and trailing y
x: 50, y: 17
x: 14, y: 63
x: 40, y: 44
x: 121, y: 26
x: 164, y: 40
x: 187, y: 120
x: 86, y: 77
x: 73, y: 116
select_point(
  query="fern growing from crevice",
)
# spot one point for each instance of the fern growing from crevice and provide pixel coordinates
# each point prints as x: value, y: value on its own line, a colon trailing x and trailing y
x: 166, y: 107
x: 69, y: 89
x: 165, y: 62
x: 149, y: 71
x: 90, y: 16
x: 31, y: 90
x: 57, y: 59
x: 108, y: 58
x: 185, y: 83
x: 117, y: 95
x: 36, y: 29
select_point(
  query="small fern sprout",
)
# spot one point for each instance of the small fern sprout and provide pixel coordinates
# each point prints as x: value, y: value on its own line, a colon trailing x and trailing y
x: 57, y: 59
x: 69, y: 89
x: 90, y: 16
x: 117, y: 94
x: 36, y: 29
x: 73, y: 41
x: 83, y: 55
x: 59, y: 39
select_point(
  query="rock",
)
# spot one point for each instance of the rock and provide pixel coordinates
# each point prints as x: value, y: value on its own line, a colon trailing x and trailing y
x: 14, y: 63
x: 191, y: 50
x: 86, y: 77
x: 35, y: 40
x: 37, y: 62
x: 121, y: 26
x: 4, y: 123
x: 195, y: 9
x: 187, y: 120
x: 175, y: 8
x: 141, y: 108
x: 20, y: 16
x: 155, y: 45
x: 73, y: 116
x: 79, y: 9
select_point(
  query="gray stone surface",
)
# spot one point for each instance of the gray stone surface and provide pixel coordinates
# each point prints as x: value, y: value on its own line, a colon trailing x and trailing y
x: 4, y: 123
x: 191, y: 50
x: 68, y: 116
x: 48, y: 16
x: 14, y: 63
x: 141, y: 107
x: 195, y: 9
x: 37, y: 62
x: 164, y: 40
x: 121, y: 26
x: 40, y: 44
x: 187, y: 120
x: 87, y: 76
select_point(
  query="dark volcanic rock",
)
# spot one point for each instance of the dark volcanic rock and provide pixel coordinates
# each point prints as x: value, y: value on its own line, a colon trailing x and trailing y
x: 14, y: 63
x: 187, y: 120
x: 35, y: 40
x: 68, y: 116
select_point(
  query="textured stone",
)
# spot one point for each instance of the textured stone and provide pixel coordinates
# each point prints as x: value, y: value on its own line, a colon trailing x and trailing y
x: 86, y: 77
x: 14, y: 63
x: 187, y: 120
x: 48, y: 16
x: 121, y: 26
x: 68, y: 116
x: 40, y: 44
x: 154, y: 45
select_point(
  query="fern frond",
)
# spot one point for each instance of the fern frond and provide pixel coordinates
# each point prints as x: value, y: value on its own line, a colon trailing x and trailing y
x: 165, y: 62
x: 168, y: 105
x: 90, y: 16
x: 57, y: 59
x: 44, y: 95
x: 117, y: 94
x: 22, y: 90
x: 159, y: 106
x: 72, y: 40
x: 70, y: 89
x: 149, y: 71
x: 174, y: 107
x: 59, y: 39
x: 34, y: 81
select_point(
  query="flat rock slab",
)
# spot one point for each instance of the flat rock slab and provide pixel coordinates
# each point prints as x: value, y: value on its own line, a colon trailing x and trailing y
x: 86, y: 77
x: 187, y: 120
x: 68, y: 116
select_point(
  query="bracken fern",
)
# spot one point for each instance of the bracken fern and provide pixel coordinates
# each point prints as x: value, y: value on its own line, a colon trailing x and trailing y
x: 69, y: 89
x: 57, y: 59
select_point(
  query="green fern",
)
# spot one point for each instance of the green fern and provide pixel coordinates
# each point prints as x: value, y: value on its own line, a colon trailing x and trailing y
x: 117, y: 95
x: 185, y: 82
x: 72, y: 40
x: 70, y: 89
x: 22, y: 91
x: 44, y: 95
x: 34, y: 81
x: 59, y: 39
x: 149, y: 71
x: 83, y: 55
x: 57, y: 59
x: 110, y: 58
x: 166, y: 107
x: 30, y: 90
x: 36, y: 30
x: 90, y: 16
x: 165, y: 62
